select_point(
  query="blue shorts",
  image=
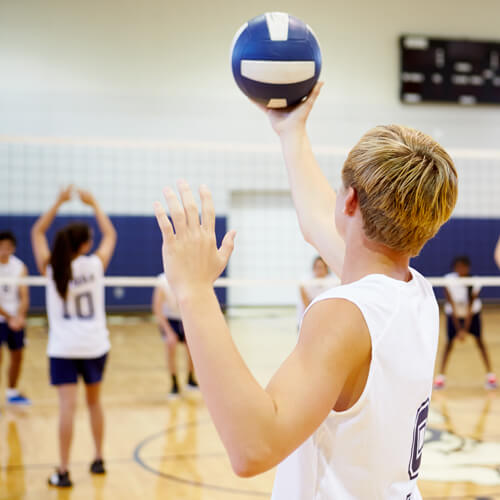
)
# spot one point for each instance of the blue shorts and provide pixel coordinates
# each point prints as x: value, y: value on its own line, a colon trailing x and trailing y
x: 475, y: 326
x: 67, y: 370
x: 177, y: 327
x: 13, y: 339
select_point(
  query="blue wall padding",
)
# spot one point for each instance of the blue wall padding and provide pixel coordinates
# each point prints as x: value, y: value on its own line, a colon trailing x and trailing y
x: 138, y: 253
x: 139, y: 247
x: 475, y: 238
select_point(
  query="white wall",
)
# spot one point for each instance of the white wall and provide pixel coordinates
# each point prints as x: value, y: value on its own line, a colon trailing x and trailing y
x: 160, y: 69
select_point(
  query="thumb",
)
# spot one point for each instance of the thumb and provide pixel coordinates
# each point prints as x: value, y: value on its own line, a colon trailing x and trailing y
x: 227, y: 246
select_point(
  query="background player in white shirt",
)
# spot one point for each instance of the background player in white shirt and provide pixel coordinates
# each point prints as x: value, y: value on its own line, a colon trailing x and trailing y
x: 14, y: 304
x: 308, y: 291
x: 366, y: 349
x: 168, y: 316
x: 78, y: 337
x: 463, y: 317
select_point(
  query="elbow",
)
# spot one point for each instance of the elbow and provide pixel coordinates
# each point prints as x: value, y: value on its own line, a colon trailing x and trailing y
x: 250, y: 464
x: 244, y: 468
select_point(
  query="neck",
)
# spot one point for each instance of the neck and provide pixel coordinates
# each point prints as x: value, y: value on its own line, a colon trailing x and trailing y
x: 4, y: 260
x: 364, y: 257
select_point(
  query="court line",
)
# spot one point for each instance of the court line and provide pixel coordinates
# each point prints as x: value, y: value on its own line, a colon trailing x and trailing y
x: 171, y: 477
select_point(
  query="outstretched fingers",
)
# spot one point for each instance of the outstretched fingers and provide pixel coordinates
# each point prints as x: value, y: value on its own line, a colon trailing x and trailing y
x: 207, y: 209
x: 189, y: 204
x: 166, y: 228
x: 227, y: 246
x: 176, y: 211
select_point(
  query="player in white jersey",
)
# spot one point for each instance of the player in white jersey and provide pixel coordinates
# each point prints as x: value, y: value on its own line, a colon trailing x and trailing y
x: 463, y: 316
x: 345, y: 413
x: 14, y: 304
x: 78, y: 337
x: 308, y: 291
x: 168, y: 316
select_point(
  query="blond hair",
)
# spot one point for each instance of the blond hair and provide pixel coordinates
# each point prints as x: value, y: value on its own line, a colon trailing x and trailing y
x: 406, y: 185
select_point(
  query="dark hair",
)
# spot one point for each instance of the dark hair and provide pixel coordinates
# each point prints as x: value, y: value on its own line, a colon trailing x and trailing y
x: 461, y: 259
x: 8, y: 235
x: 66, y: 244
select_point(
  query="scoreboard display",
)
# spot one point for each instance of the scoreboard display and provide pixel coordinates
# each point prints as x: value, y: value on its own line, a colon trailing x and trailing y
x: 441, y: 70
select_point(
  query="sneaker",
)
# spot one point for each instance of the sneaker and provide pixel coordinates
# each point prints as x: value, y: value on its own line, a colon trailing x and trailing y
x: 60, y: 480
x: 491, y: 381
x: 439, y: 382
x: 18, y: 400
x: 97, y: 467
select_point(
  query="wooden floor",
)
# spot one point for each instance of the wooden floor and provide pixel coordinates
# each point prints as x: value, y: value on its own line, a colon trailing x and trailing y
x: 159, y: 449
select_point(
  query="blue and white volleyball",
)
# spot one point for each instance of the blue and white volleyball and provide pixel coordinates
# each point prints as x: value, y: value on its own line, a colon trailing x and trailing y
x: 276, y: 59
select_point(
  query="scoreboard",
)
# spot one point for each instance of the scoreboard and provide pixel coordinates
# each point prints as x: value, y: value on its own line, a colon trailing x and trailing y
x: 446, y: 70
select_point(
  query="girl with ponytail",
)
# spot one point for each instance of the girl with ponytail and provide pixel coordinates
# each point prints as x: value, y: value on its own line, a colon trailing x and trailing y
x: 78, y: 337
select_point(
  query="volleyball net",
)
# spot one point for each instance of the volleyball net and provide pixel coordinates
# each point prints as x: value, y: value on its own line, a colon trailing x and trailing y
x: 251, y: 194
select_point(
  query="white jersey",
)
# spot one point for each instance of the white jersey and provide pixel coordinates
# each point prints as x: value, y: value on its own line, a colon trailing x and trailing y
x: 460, y: 296
x: 170, y: 306
x: 77, y: 326
x: 373, y: 450
x: 9, y: 294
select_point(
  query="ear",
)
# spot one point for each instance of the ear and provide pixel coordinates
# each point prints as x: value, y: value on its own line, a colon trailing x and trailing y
x: 351, y: 201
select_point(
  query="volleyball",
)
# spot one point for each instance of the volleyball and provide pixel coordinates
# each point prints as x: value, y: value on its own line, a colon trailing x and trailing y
x: 276, y: 59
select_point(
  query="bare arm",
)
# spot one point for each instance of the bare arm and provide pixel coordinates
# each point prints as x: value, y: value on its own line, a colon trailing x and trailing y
x: 108, y: 240
x: 303, y: 296
x: 313, y: 197
x: 157, y: 306
x: 259, y: 427
x: 24, y: 297
x: 38, y: 236
x: 453, y: 310
x: 497, y: 253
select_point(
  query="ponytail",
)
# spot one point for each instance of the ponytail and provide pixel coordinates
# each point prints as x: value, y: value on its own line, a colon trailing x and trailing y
x: 66, y: 245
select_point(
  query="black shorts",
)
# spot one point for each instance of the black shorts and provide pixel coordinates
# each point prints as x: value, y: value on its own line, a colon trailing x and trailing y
x: 67, y: 370
x: 475, y: 326
x: 177, y: 327
x: 13, y: 339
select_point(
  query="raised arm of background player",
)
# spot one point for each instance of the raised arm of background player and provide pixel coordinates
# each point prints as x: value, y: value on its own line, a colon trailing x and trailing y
x: 313, y: 197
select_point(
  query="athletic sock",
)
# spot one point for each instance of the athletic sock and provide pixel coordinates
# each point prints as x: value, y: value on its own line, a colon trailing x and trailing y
x: 11, y: 393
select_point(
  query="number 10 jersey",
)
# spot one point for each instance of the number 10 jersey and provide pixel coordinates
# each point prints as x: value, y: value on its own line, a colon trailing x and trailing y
x: 77, y: 325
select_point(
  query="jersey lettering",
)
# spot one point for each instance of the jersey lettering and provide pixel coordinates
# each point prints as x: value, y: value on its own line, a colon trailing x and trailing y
x: 84, y: 306
x: 418, y: 439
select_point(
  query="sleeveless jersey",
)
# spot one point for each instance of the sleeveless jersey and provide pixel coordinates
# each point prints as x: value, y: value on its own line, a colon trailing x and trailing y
x: 9, y: 294
x: 460, y: 296
x: 77, y: 325
x: 373, y: 450
x: 170, y: 306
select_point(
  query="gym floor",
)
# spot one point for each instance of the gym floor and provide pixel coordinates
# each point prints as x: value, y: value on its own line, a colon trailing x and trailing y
x: 159, y: 449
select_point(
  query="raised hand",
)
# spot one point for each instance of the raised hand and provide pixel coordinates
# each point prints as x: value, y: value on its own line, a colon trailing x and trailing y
x: 190, y: 255
x: 291, y: 119
x: 66, y: 194
x: 86, y: 197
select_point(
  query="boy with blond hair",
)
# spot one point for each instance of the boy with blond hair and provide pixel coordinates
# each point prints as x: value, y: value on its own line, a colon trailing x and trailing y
x: 344, y: 416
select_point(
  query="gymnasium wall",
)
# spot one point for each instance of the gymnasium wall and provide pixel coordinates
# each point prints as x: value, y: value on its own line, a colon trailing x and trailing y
x: 159, y: 71
x: 138, y: 253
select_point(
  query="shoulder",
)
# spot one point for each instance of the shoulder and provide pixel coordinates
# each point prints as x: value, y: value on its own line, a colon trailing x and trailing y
x: 93, y: 261
x: 336, y: 325
x: 17, y: 262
